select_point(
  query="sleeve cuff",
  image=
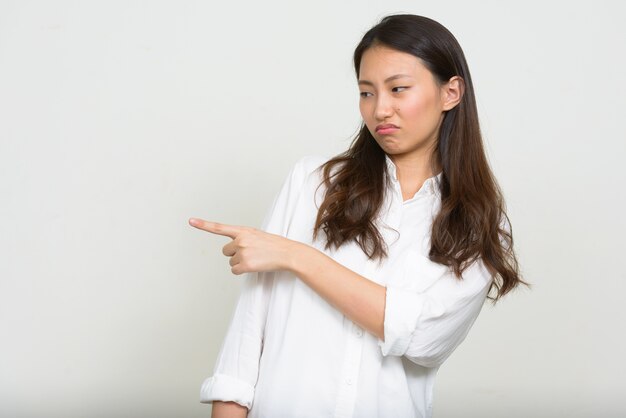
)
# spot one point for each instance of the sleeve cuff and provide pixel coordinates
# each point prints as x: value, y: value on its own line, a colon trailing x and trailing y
x: 221, y: 387
x: 402, y: 311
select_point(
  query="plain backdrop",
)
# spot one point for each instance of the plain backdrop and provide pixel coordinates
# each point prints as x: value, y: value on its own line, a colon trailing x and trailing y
x: 119, y: 120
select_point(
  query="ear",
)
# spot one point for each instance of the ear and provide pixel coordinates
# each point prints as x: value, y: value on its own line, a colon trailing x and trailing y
x: 452, y: 92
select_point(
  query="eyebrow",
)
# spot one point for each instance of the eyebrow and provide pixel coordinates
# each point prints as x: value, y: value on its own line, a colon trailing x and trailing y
x: 388, y: 79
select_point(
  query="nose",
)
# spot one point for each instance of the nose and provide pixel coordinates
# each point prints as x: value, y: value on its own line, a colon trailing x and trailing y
x: 383, y: 109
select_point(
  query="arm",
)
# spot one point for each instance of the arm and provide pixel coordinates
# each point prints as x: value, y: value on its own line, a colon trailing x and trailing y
x: 236, y: 368
x: 252, y: 250
x: 237, y: 365
x: 424, y: 324
x: 357, y: 297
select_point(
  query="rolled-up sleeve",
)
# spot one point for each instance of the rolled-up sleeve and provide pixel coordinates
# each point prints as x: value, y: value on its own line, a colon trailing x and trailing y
x: 237, y: 365
x: 236, y: 368
x: 426, y: 325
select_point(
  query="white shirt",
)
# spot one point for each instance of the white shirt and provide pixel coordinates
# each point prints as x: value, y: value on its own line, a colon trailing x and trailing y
x: 288, y: 353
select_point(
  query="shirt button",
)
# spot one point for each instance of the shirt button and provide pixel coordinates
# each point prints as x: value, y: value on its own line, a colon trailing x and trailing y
x: 348, y: 381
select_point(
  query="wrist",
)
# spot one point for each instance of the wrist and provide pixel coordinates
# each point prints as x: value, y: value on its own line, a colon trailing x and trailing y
x: 298, y: 257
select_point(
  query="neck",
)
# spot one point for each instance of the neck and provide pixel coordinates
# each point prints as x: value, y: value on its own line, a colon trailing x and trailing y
x: 412, y: 171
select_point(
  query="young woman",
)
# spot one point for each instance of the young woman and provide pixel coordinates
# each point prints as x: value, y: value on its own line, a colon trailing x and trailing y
x: 371, y: 267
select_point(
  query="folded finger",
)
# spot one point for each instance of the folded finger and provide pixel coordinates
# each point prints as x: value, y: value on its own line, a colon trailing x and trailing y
x: 229, y: 249
x: 234, y: 260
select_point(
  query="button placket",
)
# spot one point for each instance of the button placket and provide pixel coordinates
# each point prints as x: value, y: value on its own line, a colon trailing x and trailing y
x: 346, y: 397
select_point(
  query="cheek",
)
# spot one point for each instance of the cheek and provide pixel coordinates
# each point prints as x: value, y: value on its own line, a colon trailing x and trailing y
x: 366, y: 114
x: 420, y: 109
x: 415, y: 107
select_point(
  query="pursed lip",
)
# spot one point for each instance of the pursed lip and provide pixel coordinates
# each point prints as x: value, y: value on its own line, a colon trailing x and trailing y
x: 386, y: 126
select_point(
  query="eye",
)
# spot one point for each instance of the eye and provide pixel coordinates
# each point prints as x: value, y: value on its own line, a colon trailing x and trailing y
x: 395, y: 89
x: 364, y: 93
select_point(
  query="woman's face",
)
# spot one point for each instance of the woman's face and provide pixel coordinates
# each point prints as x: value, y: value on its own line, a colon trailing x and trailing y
x: 398, y: 91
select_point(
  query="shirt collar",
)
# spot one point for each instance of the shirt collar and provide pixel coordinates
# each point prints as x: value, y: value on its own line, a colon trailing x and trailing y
x: 431, y: 184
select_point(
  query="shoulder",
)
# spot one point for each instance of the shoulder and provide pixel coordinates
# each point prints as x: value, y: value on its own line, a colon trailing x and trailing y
x: 307, y: 168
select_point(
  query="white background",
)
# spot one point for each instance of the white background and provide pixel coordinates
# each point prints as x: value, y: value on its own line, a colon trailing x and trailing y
x: 120, y: 120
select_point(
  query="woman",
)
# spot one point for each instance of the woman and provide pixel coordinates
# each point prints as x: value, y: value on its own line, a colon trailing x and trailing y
x: 371, y: 267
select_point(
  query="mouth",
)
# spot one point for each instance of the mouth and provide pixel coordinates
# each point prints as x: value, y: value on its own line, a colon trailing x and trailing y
x: 386, y: 128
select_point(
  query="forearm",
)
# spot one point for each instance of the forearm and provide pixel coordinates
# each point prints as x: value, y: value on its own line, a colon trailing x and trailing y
x: 228, y: 410
x: 357, y: 297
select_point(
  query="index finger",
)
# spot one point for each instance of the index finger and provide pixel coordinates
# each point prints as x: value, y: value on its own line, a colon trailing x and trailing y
x: 216, y: 228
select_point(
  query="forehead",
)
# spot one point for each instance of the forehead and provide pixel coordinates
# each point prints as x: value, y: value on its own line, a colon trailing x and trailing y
x: 379, y: 62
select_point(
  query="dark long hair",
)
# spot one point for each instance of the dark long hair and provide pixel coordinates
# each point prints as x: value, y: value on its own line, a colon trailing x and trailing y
x: 472, y: 222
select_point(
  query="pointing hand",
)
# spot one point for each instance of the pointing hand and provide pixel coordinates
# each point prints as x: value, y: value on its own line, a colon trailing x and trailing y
x: 251, y: 250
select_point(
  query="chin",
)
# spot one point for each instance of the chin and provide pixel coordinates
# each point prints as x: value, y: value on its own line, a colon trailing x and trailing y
x: 389, y: 147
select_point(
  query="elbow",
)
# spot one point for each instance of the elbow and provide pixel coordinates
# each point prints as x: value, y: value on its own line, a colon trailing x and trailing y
x: 427, y: 359
x: 431, y: 353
